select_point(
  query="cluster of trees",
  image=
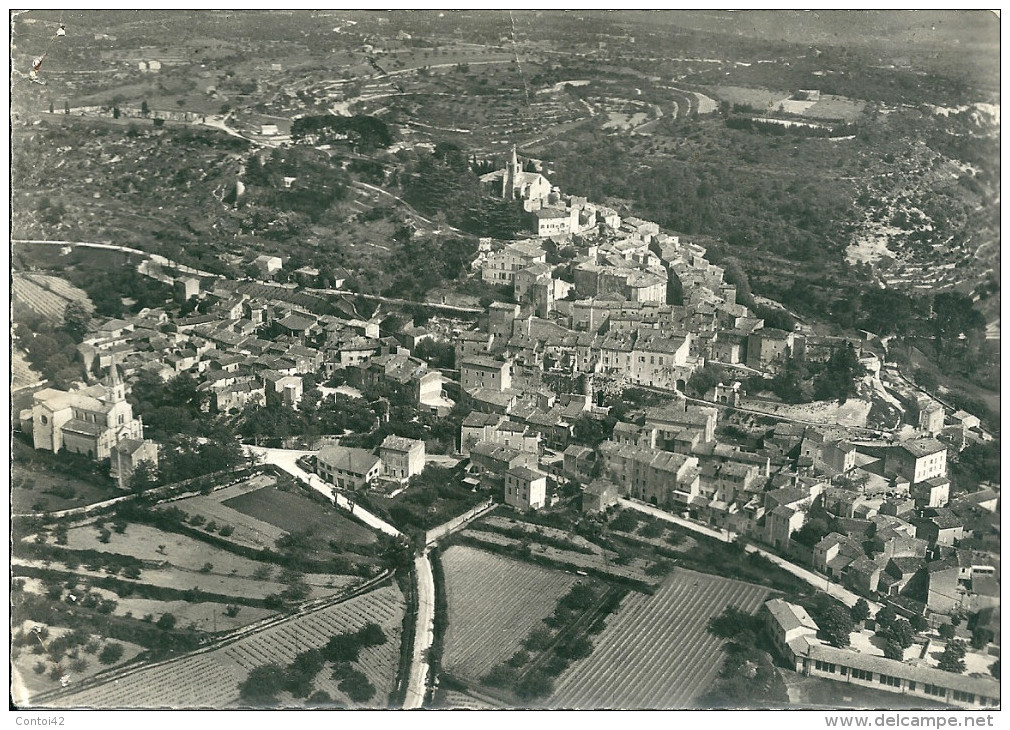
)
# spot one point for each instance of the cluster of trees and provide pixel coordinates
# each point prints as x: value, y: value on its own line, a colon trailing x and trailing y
x: 432, y: 497
x: 318, y: 183
x: 363, y: 133
x: 50, y: 348
x: 264, y: 683
x: 316, y: 416
x: 748, y: 677
x: 429, y: 262
x: 799, y: 381
x: 108, y: 287
x: 751, y: 124
x: 445, y: 184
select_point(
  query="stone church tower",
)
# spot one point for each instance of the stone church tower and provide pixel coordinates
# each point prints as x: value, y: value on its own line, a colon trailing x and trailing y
x: 511, y: 179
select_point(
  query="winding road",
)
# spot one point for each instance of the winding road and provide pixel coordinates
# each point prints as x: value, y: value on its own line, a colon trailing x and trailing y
x: 820, y: 582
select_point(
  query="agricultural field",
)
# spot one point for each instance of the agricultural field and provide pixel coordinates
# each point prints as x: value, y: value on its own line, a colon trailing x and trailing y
x: 47, y: 296
x: 22, y: 374
x: 248, y: 531
x: 180, y: 562
x: 494, y: 602
x: 827, y: 106
x: 294, y: 512
x: 655, y: 652
x: 601, y: 561
x: 211, y: 679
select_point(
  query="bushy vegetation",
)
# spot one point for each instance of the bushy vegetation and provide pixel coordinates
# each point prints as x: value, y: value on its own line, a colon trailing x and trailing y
x: 748, y: 678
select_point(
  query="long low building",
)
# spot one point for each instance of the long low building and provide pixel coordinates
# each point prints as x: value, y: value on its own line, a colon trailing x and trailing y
x: 794, y: 634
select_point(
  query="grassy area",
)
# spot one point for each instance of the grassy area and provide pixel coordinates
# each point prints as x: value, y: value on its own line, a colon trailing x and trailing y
x: 42, y: 481
x: 296, y: 513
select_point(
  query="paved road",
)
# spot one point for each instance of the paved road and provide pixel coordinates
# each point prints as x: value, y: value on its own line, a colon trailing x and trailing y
x: 182, y: 268
x: 424, y: 633
x: 287, y: 460
x: 819, y: 582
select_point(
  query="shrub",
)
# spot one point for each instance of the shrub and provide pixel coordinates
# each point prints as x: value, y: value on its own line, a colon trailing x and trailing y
x: 111, y: 653
x: 356, y: 686
x: 262, y: 685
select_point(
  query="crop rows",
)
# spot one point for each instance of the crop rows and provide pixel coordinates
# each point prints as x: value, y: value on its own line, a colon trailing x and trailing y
x: 494, y: 602
x: 656, y: 652
x: 212, y: 679
x: 62, y: 288
x: 38, y: 299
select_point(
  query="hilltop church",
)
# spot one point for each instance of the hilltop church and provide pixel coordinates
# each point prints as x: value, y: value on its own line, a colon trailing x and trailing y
x: 514, y: 183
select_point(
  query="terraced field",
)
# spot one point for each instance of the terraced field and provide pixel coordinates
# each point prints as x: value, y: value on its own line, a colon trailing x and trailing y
x: 494, y: 602
x: 655, y: 652
x: 211, y: 680
x: 48, y: 296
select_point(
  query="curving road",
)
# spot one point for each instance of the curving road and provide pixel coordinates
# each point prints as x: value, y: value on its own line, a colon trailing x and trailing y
x: 820, y: 582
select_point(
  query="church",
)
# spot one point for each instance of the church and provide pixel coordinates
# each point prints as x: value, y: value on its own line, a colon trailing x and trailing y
x: 90, y: 421
x: 514, y: 183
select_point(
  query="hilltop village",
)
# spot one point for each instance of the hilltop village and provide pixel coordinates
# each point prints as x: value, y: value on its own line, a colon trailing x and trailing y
x: 583, y: 390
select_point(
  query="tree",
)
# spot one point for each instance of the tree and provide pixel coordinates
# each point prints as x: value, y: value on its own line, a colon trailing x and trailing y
x: 356, y: 686
x: 860, y: 611
x: 371, y: 634
x: 893, y: 650
x: 111, y: 653
x: 734, y: 274
x: 836, y: 625
x: 953, y: 316
x: 838, y: 379
x: 981, y: 636
x: 900, y: 632
x: 144, y: 108
x: 734, y: 624
x: 115, y: 112
x: 811, y: 532
x: 994, y: 669
x: 342, y: 648
x: 166, y: 622
x: 947, y: 631
x: 262, y: 685
x: 952, y: 659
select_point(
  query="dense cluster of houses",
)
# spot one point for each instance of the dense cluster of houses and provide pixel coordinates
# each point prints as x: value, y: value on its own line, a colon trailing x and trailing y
x: 875, y: 515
